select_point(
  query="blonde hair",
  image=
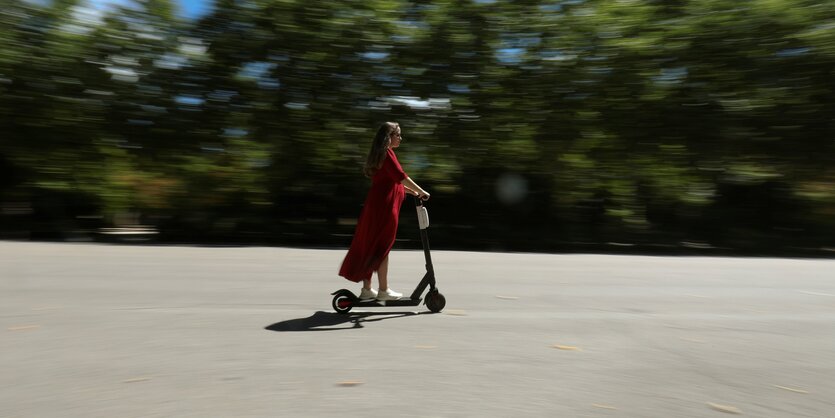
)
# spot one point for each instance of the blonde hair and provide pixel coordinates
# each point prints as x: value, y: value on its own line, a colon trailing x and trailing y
x: 381, y: 143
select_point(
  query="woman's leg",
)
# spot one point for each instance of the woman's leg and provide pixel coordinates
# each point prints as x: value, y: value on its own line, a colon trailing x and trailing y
x: 382, y: 274
x: 366, y: 284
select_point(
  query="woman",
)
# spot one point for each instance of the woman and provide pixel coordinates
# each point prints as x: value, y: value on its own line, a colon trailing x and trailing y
x: 377, y: 225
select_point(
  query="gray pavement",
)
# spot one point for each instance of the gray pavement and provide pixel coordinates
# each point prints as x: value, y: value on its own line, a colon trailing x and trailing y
x: 90, y: 330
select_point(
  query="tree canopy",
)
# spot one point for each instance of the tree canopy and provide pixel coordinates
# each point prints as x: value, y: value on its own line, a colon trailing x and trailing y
x: 537, y: 124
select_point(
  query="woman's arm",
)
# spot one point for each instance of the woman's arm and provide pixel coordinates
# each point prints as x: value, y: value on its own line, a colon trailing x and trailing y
x: 412, y: 187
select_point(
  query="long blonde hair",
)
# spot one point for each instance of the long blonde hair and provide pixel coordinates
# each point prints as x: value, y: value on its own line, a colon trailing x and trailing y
x: 381, y: 143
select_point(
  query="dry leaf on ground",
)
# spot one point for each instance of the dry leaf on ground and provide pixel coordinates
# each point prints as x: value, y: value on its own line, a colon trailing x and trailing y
x: 790, y: 389
x: 567, y: 347
x: 137, y: 379
x: 725, y: 408
x: 23, y: 327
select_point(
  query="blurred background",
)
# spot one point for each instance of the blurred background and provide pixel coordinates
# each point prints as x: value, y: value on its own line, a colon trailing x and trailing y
x: 539, y: 125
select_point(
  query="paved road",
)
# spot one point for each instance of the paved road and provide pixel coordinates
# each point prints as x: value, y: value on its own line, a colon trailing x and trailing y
x: 118, y: 331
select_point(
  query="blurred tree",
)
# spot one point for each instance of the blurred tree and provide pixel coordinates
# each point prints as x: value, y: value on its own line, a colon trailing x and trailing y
x: 635, y: 121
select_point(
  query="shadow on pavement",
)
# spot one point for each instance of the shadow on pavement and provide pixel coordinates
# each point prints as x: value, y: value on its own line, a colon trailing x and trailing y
x: 330, y: 321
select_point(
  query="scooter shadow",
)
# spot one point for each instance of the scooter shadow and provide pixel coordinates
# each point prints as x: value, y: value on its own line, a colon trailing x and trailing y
x: 330, y: 321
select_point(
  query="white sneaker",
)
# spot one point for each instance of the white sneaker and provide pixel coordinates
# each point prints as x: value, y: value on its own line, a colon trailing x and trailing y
x: 388, y: 294
x: 368, y: 294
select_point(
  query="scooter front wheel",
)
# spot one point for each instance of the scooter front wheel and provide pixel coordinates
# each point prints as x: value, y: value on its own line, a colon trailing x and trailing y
x: 435, y: 301
x: 342, y: 303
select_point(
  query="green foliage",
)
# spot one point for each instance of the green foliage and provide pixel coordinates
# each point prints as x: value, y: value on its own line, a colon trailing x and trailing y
x: 631, y: 120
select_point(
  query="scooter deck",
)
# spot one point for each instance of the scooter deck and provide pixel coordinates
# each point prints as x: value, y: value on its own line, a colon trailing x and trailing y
x: 396, y: 302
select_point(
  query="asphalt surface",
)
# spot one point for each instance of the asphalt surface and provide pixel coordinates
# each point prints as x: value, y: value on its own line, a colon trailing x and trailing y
x: 90, y: 330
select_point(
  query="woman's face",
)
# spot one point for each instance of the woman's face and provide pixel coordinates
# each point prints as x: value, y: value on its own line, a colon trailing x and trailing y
x: 395, y: 138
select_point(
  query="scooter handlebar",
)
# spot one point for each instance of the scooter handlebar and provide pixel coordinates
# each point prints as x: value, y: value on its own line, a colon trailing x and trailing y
x: 419, y: 201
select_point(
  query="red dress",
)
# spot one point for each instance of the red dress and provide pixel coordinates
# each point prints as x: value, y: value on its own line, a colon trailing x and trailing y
x: 377, y: 225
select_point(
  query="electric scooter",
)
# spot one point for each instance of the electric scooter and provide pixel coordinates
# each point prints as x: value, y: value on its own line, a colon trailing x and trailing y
x: 344, y: 300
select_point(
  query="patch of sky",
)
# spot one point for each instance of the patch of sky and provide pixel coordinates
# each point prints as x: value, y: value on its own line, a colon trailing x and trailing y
x: 297, y: 105
x: 235, y: 132
x: 458, y: 88
x: 193, y: 9
x: 108, y: 5
x: 413, y: 23
x: 192, y: 46
x: 510, y: 55
x: 554, y: 55
x: 418, y: 103
x: 375, y: 105
x: 792, y: 52
x: 189, y: 9
x: 260, y: 71
x: 374, y: 56
x: 189, y: 100
x: 256, y: 69
x: 84, y: 20
x: 125, y: 74
x: 671, y: 75
x: 550, y: 8
x: 514, y: 47
x: 170, y: 61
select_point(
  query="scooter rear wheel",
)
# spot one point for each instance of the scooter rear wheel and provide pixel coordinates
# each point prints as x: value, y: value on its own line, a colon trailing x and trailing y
x: 435, y: 301
x: 342, y: 303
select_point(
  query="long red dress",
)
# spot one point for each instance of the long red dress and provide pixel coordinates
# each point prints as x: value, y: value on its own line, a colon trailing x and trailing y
x: 377, y: 225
